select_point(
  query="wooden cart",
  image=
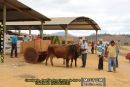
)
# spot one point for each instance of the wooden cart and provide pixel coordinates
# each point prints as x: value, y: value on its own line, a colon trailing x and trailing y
x: 35, y: 51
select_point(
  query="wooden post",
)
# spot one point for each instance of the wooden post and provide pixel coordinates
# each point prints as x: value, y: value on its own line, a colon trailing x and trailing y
x: 19, y: 32
x: 29, y: 31
x: 96, y: 41
x: 66, y: 34
x: 4, y: 16
x: 42, y: 28
x: 96, y: 36
x: 4, y: 26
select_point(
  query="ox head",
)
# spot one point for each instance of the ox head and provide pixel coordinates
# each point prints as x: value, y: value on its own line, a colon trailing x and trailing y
x: 77, y: 50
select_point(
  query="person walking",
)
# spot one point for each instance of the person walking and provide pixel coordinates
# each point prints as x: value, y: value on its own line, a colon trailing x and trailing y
x: 14, y: 45
x: 84, y: 47
x: 100, y: 49
x: 112, y: 56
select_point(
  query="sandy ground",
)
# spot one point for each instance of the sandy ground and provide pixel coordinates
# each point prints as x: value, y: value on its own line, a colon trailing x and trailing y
x: 15, y: 70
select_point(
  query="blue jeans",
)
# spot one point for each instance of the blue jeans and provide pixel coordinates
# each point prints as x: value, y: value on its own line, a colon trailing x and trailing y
x: 111, y: 63
x: 84, y: 57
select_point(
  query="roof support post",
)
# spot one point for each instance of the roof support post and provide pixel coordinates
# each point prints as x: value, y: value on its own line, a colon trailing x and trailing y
x: 66, y: 34
x: 96, y: 36
x: 42, y: 28
x: 4, y: 16
x: 19, y: 32
x: 29, y: 30
x: 4, y: 31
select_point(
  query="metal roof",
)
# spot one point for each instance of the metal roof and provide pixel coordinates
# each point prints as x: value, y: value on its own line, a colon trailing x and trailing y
x: 60, y: 20
x: 60, y: 23
x: 72, y: 23
x: 16, y: 11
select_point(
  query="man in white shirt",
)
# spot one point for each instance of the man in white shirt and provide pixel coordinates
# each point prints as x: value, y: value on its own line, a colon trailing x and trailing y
x: 101, y: 49
x: 84, y: 47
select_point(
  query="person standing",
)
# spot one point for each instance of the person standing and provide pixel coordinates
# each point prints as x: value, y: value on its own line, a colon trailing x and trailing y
x: 30, y: 38
x: 117, y: 53
x: 80, y: 41
x: 92, y: 48
x: 100, y: 49
x: 112, y: 56
x: 106, y: 52
x: 25, y: 39
x: 14, y: 45
x: 84, y: 47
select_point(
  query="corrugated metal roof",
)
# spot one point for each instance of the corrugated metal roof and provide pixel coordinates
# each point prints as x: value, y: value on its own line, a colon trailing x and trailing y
x: 60, y: 23
x: 60, y: 20
x: 72, y: 23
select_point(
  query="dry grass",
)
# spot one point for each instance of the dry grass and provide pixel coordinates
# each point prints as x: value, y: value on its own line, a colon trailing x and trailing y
x: 124, y: 50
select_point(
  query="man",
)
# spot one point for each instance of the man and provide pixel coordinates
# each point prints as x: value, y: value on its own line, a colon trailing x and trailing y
x: 80, y: 41
x: 117, y: 53
x: 92, y: 47
x: 25, y: 39
x: 84, y: 47
x: 100, y: 49
x: 112, y: 56
x: 30, y: 38
x: 14, y: 45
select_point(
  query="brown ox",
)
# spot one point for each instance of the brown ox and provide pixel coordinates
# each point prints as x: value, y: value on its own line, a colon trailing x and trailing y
x: 66, y: 52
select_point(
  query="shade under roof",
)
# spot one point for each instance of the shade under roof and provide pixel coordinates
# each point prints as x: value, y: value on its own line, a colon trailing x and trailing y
x: 16, y: 11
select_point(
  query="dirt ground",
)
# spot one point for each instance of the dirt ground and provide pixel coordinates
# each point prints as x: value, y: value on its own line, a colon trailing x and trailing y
x: 15, y: 70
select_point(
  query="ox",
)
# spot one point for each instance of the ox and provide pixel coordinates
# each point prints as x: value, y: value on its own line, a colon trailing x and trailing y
x: 68, y: 52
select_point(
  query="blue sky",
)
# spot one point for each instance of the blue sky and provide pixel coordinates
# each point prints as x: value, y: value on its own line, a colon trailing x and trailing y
x: 113, y: 16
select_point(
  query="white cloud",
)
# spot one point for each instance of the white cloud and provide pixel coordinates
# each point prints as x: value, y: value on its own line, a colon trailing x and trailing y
x: 111, y: 15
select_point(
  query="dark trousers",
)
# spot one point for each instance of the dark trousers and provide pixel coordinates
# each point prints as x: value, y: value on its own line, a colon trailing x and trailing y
x: 84, y: 57
x: 100, y: 63
x: 117, y: 61
x: 92, y: 50
x: 14, y: 47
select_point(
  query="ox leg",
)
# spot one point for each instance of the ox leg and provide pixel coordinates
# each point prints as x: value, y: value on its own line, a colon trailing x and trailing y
x: 76, y: 62
x: 47, y: 59
x: 71, y: 62
x: 67, y: 62
x: 51, y: 59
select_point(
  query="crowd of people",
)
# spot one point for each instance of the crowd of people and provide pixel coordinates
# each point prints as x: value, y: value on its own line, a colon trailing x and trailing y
x: 110, y: 51
x: 104, y: 50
